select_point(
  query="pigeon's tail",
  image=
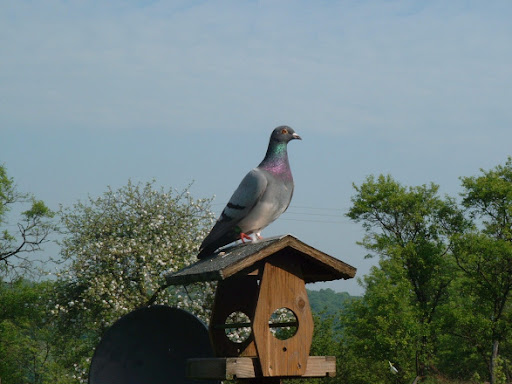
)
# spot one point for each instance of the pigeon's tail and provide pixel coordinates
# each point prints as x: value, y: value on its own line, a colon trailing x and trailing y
x: 209, y: 249
x: 213, y: 241
x: 205, y: 252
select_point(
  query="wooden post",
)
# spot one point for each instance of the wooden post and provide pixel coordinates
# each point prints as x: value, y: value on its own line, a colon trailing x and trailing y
x: 280, y: 288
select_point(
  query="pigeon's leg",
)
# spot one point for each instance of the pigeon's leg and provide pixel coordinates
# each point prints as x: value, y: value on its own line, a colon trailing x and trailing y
x: 244, y: 236
x: 258, y: 236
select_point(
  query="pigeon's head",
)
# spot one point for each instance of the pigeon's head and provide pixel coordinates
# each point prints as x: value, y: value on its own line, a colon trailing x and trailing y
x: 284, y: 134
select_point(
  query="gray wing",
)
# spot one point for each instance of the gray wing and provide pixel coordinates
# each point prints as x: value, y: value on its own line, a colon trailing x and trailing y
x: 245, y: 197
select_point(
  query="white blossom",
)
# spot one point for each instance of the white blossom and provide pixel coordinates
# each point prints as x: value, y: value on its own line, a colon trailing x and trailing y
x: 119, y: 246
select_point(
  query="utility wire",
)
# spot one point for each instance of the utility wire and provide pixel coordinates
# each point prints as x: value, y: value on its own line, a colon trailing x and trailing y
x: 297, y: 213
x: 311, y: 214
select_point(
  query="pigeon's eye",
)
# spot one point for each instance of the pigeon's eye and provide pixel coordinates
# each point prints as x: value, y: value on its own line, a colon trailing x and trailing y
x: 284, y: 131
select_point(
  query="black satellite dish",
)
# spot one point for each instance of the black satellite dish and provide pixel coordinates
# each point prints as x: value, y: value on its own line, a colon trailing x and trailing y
x: 150, y: 346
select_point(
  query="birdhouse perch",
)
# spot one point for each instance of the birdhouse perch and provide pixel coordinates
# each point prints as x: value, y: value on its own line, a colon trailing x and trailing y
x: 261, y: 325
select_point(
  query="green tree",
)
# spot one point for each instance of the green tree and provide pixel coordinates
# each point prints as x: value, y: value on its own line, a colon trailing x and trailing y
x: 380, y: 328
x: 117, y: 248
x: 409, y: 228
x: 27, y: 348
x: 327, y: 302
x: 326, y: 342
x: 462, y: 351
x: 33, y: 227
x: 485, y: 257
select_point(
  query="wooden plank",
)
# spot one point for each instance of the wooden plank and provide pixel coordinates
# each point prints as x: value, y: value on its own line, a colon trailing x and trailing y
x: 281, y: 286
x: 320, y: 366
x: 222, y: 368
x: 242, y: 368
x: 211, y: 368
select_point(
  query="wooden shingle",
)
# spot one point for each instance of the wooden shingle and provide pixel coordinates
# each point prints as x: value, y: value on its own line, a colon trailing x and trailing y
x: 248, y: 257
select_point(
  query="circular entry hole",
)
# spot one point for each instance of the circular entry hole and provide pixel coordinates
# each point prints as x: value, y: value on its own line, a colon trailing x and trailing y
x: 283, y: 323
x: 238, y: 327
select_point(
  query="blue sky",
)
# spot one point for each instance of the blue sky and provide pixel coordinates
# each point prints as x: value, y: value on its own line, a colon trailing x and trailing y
x: 94, y: 93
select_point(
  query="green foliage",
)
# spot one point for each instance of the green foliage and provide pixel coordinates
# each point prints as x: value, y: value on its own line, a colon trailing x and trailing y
x: 34, y: 226
x: 395, y: 216
x: 117, y: 248
x: 459, y: 354
x: 7, y: 192
x: 38, y: 209
x: 324, y: 344
x: 410, y: 230
x: 485, y: 258
x: 489, y: 197
x: 379, y: 328
x: 27, y: 348
x: 437, y: 306
x: 327, y: 302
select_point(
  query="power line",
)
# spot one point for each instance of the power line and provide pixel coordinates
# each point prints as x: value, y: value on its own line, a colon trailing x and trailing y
x: 301, y: 207
x: 311, y: 214
x: 314, y: 221
x: 315, y: 208
x: 301, y: 213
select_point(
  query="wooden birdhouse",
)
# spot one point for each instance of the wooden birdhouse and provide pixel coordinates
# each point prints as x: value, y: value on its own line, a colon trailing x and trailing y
x: 261, y: 325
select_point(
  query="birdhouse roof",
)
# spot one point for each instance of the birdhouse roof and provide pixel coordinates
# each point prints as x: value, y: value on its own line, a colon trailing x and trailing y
x: 245, y: 258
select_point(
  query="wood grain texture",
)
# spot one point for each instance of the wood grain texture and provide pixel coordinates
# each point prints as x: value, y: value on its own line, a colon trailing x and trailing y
x: 236, y: 294
x: 282, y: 286
x: 246, y: 368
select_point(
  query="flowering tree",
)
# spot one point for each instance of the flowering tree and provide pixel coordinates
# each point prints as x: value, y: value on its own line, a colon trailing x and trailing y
x: 116, y: 249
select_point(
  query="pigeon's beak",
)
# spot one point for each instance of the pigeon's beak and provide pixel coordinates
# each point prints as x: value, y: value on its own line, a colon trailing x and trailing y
x: 295, y: 136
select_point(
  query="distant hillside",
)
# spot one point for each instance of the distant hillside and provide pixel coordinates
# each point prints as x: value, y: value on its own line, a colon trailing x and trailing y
x: 327, y: 301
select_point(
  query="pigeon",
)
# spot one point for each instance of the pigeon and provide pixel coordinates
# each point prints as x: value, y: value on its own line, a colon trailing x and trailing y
x: 262, y: 196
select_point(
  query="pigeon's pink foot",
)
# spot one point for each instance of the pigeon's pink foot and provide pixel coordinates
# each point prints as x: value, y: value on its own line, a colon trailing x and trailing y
x: 244, y: 236
x: 258, y: 236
